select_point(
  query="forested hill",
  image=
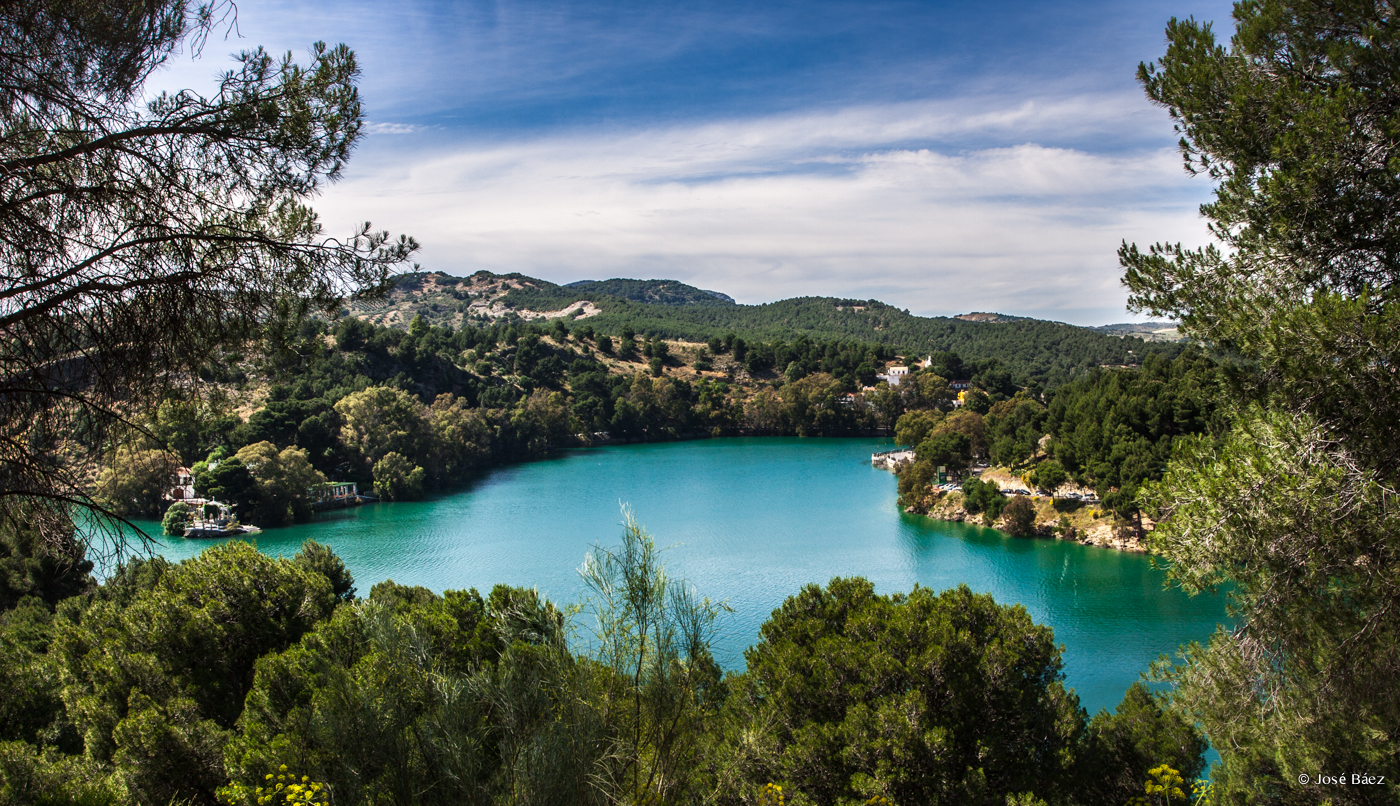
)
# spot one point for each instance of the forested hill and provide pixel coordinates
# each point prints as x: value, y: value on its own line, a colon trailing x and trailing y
x: 658, y: 292
x: 1036, y: 352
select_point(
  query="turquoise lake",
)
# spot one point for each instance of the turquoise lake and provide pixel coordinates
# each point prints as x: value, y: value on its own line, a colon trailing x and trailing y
x: 750, y: 521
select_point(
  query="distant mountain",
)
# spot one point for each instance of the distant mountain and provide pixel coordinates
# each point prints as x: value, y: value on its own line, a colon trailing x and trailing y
x: 1147, y: 331
x: 654, y: 292
x: 994, y: 318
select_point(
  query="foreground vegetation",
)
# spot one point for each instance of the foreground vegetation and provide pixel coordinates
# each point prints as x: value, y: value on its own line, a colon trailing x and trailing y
x: 200, y: 682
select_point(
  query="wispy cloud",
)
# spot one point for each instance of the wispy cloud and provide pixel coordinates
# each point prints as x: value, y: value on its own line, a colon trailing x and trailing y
x: 857, y: 202
x: 375, y: 127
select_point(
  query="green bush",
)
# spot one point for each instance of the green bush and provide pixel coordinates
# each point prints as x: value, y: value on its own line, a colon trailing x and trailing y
x: 983, y: 496
x: 396, y: 478
x: 176, y: 519
x: 1019, y: 516
x: 156, y: 669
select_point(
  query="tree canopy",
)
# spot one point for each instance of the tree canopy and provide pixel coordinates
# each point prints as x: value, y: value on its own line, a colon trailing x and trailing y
x: 137, y: 240
x: 921, y: 698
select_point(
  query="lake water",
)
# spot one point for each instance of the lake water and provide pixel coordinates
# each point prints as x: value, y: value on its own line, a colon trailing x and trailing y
x: 750, y: 521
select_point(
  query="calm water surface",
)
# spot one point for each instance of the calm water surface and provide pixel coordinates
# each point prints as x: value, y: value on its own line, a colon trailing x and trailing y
x: 750, y: 521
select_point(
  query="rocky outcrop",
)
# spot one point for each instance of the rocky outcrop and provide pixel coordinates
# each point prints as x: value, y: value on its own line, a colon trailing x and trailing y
x: 1108, y: 537
x: 1096, y: 531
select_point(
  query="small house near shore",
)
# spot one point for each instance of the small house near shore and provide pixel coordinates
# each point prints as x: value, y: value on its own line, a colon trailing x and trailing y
x: 335, y: 494
x: 182, y: 487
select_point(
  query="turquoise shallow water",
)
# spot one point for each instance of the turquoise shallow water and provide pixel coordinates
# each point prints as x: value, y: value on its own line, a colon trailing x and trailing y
x: 750, y: 521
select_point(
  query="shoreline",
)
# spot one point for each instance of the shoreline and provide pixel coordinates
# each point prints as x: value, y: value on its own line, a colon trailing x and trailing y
x: 580, y: 442
x: 1086, y: 526
x: 943, y: 506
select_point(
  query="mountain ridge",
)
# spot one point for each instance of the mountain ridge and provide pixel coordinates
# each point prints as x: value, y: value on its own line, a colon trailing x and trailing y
x: 1037, y: 352
x: 656, y: 292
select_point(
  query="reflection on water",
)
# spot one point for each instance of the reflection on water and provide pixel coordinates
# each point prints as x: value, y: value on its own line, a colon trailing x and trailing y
x: 750, y: 521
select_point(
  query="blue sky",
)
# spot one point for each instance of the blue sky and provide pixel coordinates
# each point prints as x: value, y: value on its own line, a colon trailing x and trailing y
x: 943, y: 157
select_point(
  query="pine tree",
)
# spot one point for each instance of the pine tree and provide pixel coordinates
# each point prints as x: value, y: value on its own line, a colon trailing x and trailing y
x: 138, y: 241
x: 1297, y: 121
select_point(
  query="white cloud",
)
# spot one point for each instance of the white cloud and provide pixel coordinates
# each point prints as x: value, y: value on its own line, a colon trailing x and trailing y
x: 372, y: 127
x: 843, y: 203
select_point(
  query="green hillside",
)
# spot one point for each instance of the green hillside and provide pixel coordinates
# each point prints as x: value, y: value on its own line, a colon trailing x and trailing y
x: 1047, y: 353
x: 1035, y: 351
x: 658, y: 292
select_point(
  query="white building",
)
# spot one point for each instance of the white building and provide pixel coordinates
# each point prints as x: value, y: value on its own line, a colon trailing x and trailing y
x: 183, y: 488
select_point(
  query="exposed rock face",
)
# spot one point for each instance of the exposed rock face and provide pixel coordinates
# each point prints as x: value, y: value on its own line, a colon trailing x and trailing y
x: 1147, y: 331
x: 446, y: 300
x: 1108, y: 537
